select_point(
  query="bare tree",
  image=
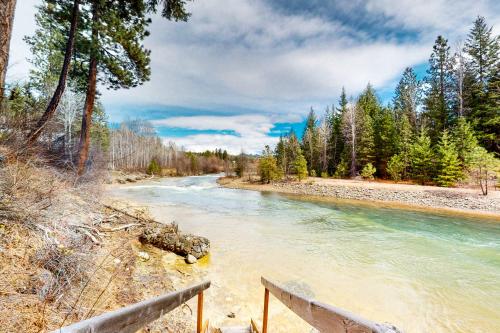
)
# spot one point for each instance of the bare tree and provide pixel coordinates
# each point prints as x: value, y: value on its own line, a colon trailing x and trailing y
x: 56, y: 97
x: 350, y: 130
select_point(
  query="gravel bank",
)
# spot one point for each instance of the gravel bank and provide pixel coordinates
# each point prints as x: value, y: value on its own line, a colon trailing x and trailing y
x: 459, y: 200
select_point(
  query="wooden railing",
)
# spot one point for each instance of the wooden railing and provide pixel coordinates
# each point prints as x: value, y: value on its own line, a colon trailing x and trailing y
x: 133, y: 317
x: 321, y: 316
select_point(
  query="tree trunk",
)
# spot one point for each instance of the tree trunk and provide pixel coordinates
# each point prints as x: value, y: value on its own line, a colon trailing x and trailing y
x: 54, y: 101
x: 90, y: 98
x: 7, y: 8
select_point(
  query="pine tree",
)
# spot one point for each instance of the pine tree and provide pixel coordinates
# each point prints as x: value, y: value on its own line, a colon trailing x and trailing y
x: 369, y: 108
x: 300, y: 166
x: 439, y: 98
x: 310, y: 143
x: 464, y: 140
x: 482, y: 49
x: 407, y: 96
x: 404, y: 143
x: 395, y: 167
x: 450, y: 170
x: 280, y: 154
x: 385, y: 139
x: 422, y: 157
x: 292, y: 150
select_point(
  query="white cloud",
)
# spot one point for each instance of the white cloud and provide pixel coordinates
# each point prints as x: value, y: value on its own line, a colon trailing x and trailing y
x: 251, y: 132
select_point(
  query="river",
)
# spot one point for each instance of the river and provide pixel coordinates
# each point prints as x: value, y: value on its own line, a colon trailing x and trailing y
x: 421, y: 272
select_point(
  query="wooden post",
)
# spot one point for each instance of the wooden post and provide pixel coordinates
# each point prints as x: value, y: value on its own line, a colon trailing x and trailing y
x: 266, y: 309
x: 199, y: 321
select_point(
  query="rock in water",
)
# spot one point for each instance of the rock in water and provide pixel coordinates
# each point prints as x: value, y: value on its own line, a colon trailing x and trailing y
x: 190, y: 259
x: 167, y: 237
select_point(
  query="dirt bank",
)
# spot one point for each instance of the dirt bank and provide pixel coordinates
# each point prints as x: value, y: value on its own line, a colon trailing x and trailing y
x: 429, y: 198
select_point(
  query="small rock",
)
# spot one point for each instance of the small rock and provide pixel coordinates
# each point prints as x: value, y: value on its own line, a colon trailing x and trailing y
x: 131, y: 180
x: 191, y: 259
x: 117, y: 261
x: 231, y: 315
x: 121, y: 181
x: 144, y: 256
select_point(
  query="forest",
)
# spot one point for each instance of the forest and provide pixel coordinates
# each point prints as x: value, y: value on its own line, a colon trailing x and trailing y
x: 443, y: 129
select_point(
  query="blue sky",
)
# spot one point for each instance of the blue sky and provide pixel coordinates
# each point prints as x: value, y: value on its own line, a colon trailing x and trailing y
x: 240, y: 72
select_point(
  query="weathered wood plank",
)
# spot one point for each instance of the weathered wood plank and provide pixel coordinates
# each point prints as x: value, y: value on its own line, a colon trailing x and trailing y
x: 326, y: 318
x: 133, y: 317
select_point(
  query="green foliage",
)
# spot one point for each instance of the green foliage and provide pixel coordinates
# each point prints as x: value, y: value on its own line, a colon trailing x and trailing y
x: 450, y: 170
x: 154, y: 167
x: 342, y: 169
x: 407, y: 96
x: 300, y: 167
x: 267, y: 167
x: 422, y: 157
x: 395, y: 167
x: 439, y: 98
x: 241, y: 165
x: 310, y: 140
x: 404, y: 142
x: 324, y: 174
x: 385, y: 139
x: 464, y: 141
x: 368, y: 171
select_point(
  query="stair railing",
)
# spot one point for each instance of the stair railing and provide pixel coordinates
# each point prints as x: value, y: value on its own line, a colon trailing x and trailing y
x: 133, y: 317
x: 323, y: 317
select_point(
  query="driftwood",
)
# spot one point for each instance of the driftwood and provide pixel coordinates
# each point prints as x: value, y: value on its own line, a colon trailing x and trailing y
x: 167, y: 237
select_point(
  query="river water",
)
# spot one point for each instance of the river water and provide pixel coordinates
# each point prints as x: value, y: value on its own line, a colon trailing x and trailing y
x: 421, y: 272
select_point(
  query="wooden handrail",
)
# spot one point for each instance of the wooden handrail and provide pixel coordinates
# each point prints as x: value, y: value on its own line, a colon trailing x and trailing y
x: 133, y: 317
x: 324, y: 317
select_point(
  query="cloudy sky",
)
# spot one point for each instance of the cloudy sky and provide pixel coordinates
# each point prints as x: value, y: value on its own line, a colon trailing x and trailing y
x: 241, y: 72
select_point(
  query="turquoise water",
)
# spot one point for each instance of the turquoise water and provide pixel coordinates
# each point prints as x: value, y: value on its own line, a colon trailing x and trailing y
x: 421, y: 272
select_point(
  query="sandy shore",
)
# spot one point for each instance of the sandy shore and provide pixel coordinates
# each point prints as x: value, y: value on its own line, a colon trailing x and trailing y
x: 458, y: 201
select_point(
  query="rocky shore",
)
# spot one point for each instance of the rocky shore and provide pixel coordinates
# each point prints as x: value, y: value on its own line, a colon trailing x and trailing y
x: 457, y: 200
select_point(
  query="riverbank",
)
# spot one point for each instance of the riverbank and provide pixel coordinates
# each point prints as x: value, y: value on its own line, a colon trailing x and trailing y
x: 459, y: 201
x: 71, y: 254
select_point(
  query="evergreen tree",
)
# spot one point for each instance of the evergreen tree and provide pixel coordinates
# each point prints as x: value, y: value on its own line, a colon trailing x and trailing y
x: 280, y: 153
x: 292, y: 150
x: 450, y: 170
x: 482, y: 49
x: 404, y: 143
x: 310, y: 142
x: 385, y: 139
x: 422, y: 157
x: 395, y: 167
x: 350, y: 131
x: 368, y: 108
x: 300, y: 166
x: 439, y: 99
x: 464, y: 141
x: 407, y: 96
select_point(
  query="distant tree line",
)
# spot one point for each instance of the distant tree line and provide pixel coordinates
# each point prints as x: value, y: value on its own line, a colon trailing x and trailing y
x: 439, y: 130
x: 135, y: 146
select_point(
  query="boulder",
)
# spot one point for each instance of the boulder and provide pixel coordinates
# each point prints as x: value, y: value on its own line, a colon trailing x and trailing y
x: 191, y: 259
x: 168, y: 237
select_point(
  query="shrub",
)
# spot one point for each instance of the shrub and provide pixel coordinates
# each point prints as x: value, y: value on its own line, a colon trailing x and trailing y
x: 268, y: 169
x: 342, y: 169
x: 368, y: 171
x: 154, y: 167
x: 313, y: 173
x: 324, y: 174
x: 300, y: 166
x: 395, y: 167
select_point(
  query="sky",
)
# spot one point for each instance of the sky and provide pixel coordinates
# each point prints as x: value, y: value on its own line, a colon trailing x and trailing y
x: 242, y: 72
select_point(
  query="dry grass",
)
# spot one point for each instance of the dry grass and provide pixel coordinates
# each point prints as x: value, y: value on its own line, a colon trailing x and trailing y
x: 64, y: 257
